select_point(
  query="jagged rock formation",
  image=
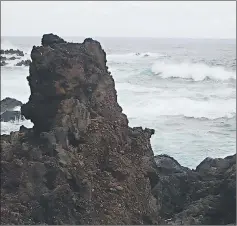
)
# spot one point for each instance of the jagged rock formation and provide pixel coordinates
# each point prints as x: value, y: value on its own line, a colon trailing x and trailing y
x: 205, y: 196
x: 81, y: 163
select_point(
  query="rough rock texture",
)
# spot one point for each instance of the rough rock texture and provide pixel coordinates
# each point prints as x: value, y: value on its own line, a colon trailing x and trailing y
x: 81, y: 163
x: 23, y: 63
x: 205, y: 196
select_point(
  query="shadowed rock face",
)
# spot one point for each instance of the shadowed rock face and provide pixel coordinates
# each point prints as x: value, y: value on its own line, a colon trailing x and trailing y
x: 70, y: 74
x: 205, y: 196
x: 81, y: 163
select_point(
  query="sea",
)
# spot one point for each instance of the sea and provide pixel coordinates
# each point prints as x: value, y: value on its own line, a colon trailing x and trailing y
x: 185, y: 89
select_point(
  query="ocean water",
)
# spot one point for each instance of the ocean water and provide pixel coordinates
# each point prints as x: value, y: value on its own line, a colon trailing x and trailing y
x: 185, y: 89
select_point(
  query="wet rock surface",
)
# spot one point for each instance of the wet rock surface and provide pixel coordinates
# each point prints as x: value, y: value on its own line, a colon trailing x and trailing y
x: 9, y: 104
x: 12, y: 51
x: 82, y: 164
x: 7, y: 110
x: 3, y: 63
x: 13, y: 58
x: 23, y: 63
x: 11, y: 116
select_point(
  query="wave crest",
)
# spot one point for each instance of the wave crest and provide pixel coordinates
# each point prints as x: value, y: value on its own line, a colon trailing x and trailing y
x: 194, y: 71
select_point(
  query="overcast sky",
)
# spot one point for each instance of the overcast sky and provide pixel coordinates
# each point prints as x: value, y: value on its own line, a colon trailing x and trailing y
x: 198, y: 19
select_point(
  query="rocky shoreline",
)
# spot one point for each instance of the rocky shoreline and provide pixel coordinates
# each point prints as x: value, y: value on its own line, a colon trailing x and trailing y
x: 18, y: 54
x: 8, y: 110
x: 82, y: 164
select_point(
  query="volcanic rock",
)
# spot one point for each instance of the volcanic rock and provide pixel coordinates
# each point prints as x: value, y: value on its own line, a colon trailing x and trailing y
x: 23, y: 63
x: 13, y: 58
x: 12, y: 51
x: 11, y: 116
x: 205, y: 196
x: 82, y: 164
x: 3, y: 63
x: 3, y: 58
x: 9, y: 104
x: 51, y: 39
x: 59, y: 171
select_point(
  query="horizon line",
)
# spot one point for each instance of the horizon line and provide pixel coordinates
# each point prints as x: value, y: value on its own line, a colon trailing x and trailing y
x: 124, y: 37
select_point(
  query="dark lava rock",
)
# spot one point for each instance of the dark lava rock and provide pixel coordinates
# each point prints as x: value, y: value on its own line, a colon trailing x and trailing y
x: 13, y: 58
x: 79, y: 164
x: 23, y: 63
x: 51, y: 39
x: 205, y: 196
x: 9, y: 104
x: 3, y: 58
x: 12, y: 51
x: 82, y: 164
x: 3, y: 63
x: 11, y: 116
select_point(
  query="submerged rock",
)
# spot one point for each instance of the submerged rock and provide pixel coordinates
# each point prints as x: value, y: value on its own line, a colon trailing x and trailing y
x: 3, y: 58
x: 3, y: 63
x: 11, y: 116
x: 12, y: 51
x: 9, y: 104
x: 13, y: 58
x: 23, y: 63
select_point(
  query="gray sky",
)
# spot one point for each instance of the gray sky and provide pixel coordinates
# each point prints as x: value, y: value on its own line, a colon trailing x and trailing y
x: 198, y: 19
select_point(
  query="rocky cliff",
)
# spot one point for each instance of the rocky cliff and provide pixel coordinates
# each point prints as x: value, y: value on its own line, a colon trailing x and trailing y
x: 82, y: 164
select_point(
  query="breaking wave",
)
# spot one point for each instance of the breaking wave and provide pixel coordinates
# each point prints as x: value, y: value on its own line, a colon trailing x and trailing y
x: 196, y: 72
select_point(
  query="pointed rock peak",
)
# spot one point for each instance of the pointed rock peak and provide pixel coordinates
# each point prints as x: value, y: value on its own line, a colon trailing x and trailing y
x: 50, y: 39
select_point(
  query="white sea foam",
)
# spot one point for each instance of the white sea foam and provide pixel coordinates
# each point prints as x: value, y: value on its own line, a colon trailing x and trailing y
x: 196, y: 72
x: 14, y: 83
x: 153, y: 106
x: 17, y: 108
x: 132, y: 56
x: 192, y: 120
x: 7, y: 127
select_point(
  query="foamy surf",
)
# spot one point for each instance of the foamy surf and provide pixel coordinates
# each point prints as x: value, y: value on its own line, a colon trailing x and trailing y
x: 196, y: 72
x: 155, y: 106
x: 7, y: 127
x: 186, y: 94
x: 133, y: 56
